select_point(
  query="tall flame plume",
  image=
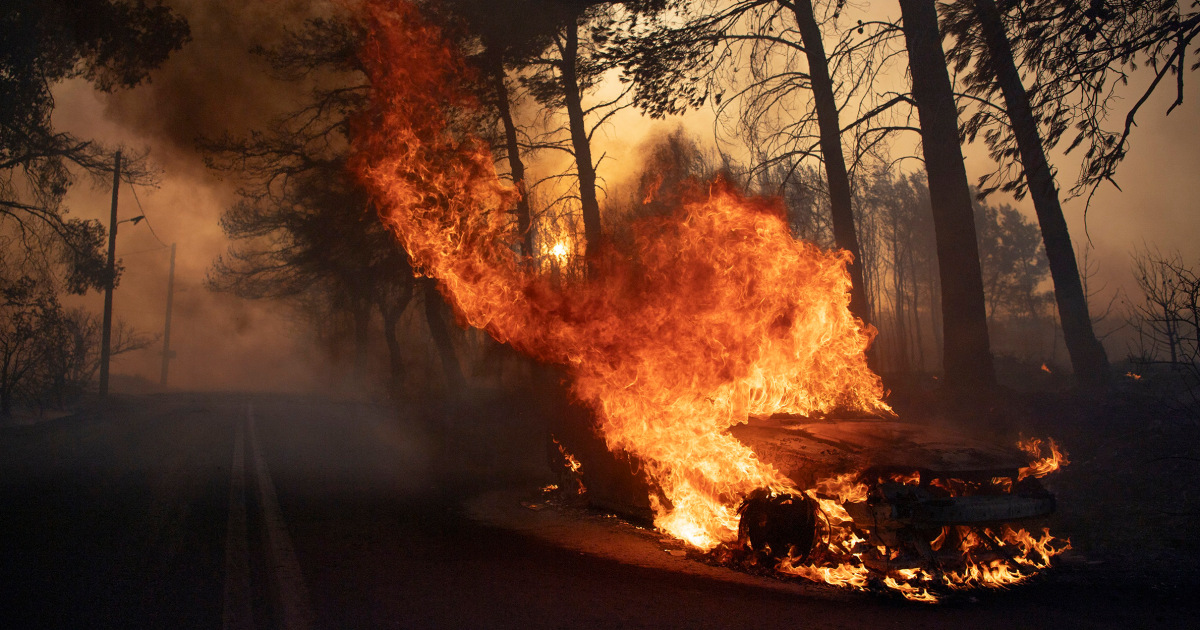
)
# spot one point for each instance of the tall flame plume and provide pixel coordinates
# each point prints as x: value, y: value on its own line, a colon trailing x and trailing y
x: 712, y: 314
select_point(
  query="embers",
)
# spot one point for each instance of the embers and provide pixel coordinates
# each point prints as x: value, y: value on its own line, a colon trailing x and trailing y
x: 778, y: 525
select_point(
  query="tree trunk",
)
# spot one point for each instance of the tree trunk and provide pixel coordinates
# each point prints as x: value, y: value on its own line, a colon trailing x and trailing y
x: 442, y: 342
x: 5, y: 400
x: 1088, y: 357
x: 395, y: 357
x: 580, y: 142
x: 967, y: 355
x: 515, y: 166
x: 362, y: 330
x: 845, y: 235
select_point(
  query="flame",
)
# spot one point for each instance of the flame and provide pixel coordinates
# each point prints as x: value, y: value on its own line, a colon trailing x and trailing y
x: 705, y: 317
x: 1054, y: 459
x: 845, y: 488
x: 572, y: 463
x: 573, y: 466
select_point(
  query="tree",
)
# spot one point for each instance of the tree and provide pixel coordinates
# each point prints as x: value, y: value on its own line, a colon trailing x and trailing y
x: 508, y: 36
x: 1014, y: 268
x: 980, y: 36
x: 31, y: 314
x: 966, y: 353
x: 676, y: 67
x: 1080, y: 56
x: 1166, y: 322
x: 49, y: 355
x: 304, y: 227
x: 566, y: 72
x: 112, y: 44
x: 829, y: 122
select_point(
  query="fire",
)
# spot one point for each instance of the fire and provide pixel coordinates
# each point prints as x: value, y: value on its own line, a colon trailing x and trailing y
x: 712, y: 314
x: 572, y: 464
x: 1054, y: 458
x: 573, y: 467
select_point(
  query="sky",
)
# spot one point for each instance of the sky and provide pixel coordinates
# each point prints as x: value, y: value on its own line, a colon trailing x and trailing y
x: 214, y: 85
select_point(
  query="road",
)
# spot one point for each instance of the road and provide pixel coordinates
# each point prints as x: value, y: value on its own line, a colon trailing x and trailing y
x: 272, y: 511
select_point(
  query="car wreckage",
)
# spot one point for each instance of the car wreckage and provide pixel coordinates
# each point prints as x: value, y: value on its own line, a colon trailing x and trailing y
x: 914, y: 506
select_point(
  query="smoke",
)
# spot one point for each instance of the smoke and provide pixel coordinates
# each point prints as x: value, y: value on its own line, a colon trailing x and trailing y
x: 215, y: 84
x: 211, y: 87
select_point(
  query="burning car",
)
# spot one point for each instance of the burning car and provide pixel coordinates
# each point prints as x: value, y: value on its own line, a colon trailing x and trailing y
x: 914, y: 507
x: 892, y: 505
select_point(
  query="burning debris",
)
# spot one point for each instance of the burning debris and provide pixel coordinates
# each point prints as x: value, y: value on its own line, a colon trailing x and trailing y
x: 708, y: 316
x: 918, y: 510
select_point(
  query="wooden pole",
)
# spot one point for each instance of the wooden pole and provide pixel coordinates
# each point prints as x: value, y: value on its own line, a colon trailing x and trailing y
x: 167, y: 353
x: 106, y: 334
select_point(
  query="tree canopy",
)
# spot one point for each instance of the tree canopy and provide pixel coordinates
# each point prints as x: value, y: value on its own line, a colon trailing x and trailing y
x: 112, y: 44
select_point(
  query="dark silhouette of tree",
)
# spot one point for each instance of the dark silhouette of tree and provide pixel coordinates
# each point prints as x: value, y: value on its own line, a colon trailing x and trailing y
x: 1166, y: 324
x: 563, y: 74
x: 966, y: 353
x: 900, y: 259
x: 1082, y: 54
x: 980, y: 37
x: 112, y: 44
x: 304, y: 229
x: 829, y: 122
x: 510, y: 35
x: 1077, y: 58
x: 1010, y: 254
x: 49, y: 355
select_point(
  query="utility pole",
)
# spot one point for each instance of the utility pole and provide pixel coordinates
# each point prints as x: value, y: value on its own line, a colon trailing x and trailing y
x: 167, y: 353
x: 106, y: 334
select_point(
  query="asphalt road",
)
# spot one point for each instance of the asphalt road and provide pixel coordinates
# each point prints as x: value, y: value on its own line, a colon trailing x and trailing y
x: 241, y: 511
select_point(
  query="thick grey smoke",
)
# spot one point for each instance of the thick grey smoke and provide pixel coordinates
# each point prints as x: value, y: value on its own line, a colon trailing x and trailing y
x: 213, y: 86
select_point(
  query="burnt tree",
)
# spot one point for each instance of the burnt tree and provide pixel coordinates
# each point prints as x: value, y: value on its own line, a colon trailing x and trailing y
x: 966, y: 354
x: 1088, y: 358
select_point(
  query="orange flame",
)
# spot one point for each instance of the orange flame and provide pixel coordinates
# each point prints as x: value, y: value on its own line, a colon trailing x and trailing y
x: 572, y: 463
x: 716, y: 313
x: 1054, y: 459
x: 711, y: 315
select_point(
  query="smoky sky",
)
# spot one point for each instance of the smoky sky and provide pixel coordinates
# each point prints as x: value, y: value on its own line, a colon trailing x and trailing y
x: 215, y: 85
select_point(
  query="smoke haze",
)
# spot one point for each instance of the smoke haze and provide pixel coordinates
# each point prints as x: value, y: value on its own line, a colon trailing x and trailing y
x: 215, y: 85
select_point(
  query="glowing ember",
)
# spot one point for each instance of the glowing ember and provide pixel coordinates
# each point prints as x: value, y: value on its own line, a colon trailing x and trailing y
x: 572, y: 463
x: 1053, y: 459
x: 709, y: 315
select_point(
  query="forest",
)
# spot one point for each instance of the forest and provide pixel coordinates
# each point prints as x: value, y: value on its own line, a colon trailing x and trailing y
x: 854, y: 118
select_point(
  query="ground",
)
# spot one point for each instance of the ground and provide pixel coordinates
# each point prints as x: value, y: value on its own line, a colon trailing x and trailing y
x: 127, y: 517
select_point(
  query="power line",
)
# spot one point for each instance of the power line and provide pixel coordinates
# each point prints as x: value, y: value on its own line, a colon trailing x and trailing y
x: 147, y: 218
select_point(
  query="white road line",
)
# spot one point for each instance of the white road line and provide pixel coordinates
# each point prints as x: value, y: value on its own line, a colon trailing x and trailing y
x: 293, y: 605
x: 238, y: 610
